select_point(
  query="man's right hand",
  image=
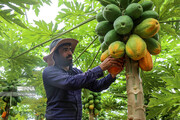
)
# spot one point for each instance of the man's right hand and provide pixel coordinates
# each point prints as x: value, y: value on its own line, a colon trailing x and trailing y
x: 109, y: 62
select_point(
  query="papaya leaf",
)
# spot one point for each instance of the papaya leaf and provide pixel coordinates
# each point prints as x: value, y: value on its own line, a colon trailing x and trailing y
x: 16, y: 9
x: 173, y: 83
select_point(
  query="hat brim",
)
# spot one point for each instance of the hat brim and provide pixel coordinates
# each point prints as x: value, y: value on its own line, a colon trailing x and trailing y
x: 49, y: 58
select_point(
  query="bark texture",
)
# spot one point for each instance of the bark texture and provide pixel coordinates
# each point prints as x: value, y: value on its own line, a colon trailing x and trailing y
x: 135, y: 96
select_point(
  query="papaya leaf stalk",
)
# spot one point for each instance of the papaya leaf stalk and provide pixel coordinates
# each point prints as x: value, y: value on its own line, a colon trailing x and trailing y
x: 58, y: 35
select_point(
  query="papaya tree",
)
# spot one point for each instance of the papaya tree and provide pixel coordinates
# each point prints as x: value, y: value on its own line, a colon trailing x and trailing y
x: 80, y: 23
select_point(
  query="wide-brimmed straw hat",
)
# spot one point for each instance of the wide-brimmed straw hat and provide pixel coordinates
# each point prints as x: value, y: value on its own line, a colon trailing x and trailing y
x: 54, y: 45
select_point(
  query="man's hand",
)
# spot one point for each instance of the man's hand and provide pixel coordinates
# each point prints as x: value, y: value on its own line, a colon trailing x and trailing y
x: 110, y: 62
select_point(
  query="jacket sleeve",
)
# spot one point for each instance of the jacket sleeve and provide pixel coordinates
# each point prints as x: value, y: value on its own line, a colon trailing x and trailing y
x: 63, y: 80
x: 102, y: 84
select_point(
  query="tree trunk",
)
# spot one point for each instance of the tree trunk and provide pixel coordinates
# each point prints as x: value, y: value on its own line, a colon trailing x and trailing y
x: 91, y: 115
x: 135, y: 103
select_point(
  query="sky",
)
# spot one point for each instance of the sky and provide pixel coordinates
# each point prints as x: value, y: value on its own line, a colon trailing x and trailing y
x: 47, y: 13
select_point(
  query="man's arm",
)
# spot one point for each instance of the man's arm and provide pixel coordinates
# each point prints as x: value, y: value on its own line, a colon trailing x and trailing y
x: 60, y: 79
x: 102, y: 84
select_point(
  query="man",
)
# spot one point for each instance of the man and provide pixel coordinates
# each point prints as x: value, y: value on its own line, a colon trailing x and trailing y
x: 63, y: 83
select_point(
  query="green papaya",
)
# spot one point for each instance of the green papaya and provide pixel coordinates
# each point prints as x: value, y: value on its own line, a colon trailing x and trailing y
x: 103, y: 27
x: 99, y: 17
x: 124, y: 3
x: 153, y: 46
x: 104, y: 47
x: 98, y: 106
x: 90, y: 97
x: 147, y: 5
x: 87, y: 105
x: 111, y: 37
x: 111, y: 12
x: 134, y: 10
x: 91, y: 102
x: 106, y: 2
x: 101, y: 39
x: 135, y: 1
x: 149, y: 14
x: 123, y: 25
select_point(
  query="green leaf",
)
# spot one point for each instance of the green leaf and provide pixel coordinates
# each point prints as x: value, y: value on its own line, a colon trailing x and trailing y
x: 16, y: 9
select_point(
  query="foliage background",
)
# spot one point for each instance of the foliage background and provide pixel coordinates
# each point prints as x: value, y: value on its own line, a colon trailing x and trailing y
x: 23, y: 45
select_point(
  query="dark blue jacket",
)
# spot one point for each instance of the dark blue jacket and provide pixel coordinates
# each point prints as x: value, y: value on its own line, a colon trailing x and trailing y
x: 63, y: 90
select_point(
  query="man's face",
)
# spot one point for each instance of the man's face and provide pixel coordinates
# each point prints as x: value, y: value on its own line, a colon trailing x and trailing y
x: 65, y: 53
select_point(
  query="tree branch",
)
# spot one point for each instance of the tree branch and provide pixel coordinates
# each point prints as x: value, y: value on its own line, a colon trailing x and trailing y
x: 169, y: 21
x: 94, y: 58
x: 58, y: 35
x: 85, y: 49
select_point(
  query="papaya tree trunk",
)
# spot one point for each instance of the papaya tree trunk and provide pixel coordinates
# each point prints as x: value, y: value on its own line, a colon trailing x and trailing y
x: 135, y: 96
x: 91, y: 115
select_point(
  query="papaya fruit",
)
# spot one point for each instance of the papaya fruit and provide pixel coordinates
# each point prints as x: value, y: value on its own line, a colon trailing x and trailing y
x: 86, y: 105
x: 134, y: 10
x: 98, y: 106
x: 111, y: 37
x: 149, y: 14
x: 103, y: 27
x: 91, y: 107
x: 114, y: 70
x: 124, y: 3
x: 111, y: 12
x: 106, y: 2
x: 91, y: 102
x: 147, y: 28
x: 116, y: 49
x: 135, y: 1
x: 146, y: 63
x: 104, y: 47
x: 4, y: 114
x: 136, y: 47
x: 101, y: 39
x: 123, y: 25
x: 104, y: 55
x: 90, y: 97
x: 153, y: 46
x: 99, y: 17
x: 96, y: 101
x: 147, y: 5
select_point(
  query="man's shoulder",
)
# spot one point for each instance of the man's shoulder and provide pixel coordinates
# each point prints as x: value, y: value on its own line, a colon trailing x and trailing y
x: 49, y: 69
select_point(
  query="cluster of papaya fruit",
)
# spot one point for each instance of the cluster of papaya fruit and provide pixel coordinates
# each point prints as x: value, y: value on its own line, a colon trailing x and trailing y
x: 128, y: 27
x: 8, y: 99
x: 92, y: 103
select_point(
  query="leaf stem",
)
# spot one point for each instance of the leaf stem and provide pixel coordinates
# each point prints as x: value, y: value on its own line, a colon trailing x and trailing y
x: 94, y: 58
x: 58, y: 35
x: 85, y: 49
x: 169, y: 21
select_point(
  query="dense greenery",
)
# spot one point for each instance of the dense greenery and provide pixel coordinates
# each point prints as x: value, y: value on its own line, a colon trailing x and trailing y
x: 23, y: 45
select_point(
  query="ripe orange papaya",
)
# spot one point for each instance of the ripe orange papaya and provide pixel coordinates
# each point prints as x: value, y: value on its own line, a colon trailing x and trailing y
x: 146, y: 63
x: 114, y: 70
x: 104, y: 55
x: 147, y: 28
x: 116, y: 49
x: 136, y: 47
x: 4, y: 114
